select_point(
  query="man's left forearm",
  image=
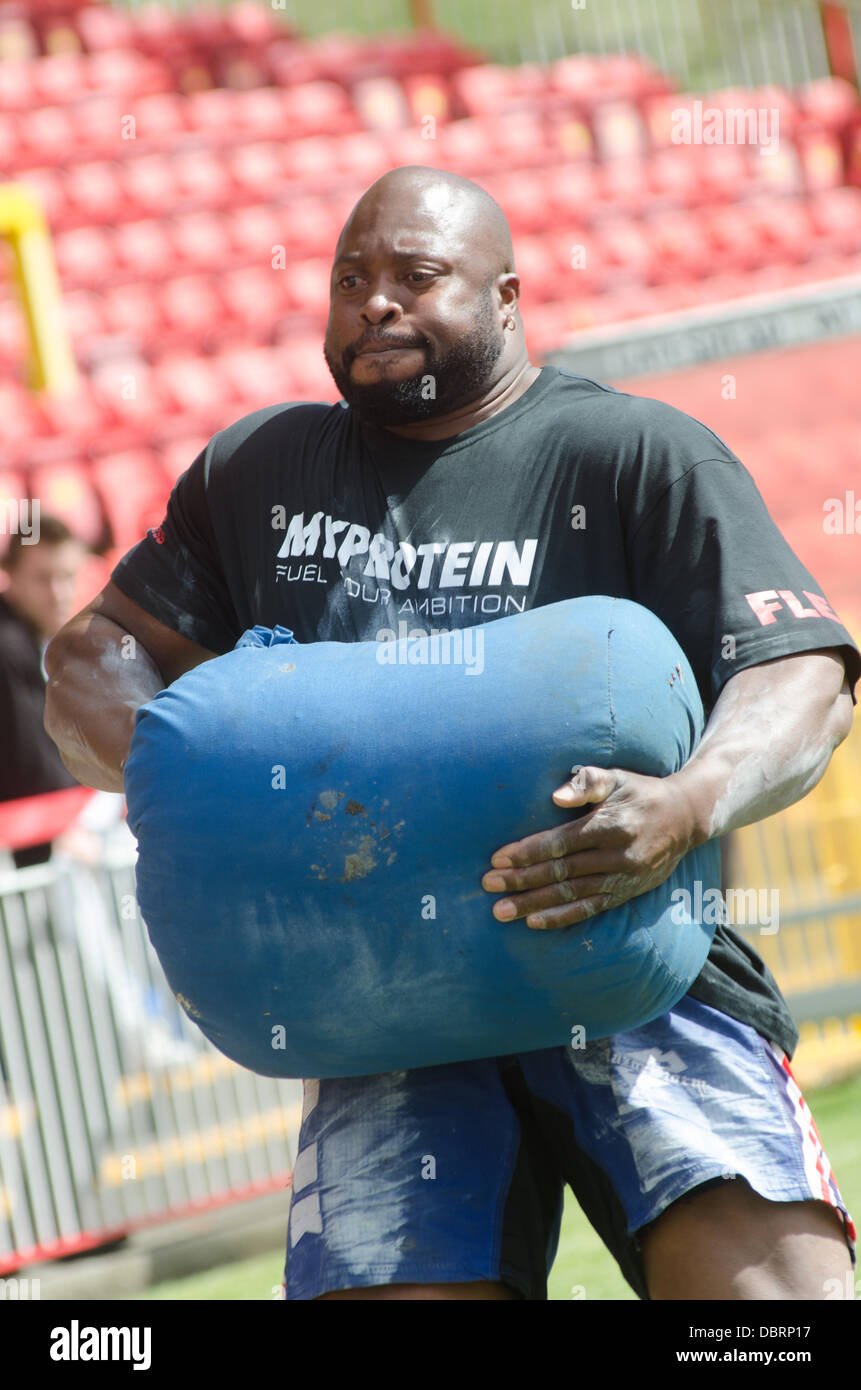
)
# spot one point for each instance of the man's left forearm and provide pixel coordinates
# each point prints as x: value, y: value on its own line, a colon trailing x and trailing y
x: 768, y: 741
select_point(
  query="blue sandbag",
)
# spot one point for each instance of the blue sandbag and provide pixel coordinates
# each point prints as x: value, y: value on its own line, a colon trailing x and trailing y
x: 313, y: 822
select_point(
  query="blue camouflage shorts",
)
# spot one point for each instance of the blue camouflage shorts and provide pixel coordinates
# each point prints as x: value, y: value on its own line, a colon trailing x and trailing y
x: 457, y: 1173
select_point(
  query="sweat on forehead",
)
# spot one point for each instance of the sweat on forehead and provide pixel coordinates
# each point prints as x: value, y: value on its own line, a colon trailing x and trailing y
x: 444, y: 201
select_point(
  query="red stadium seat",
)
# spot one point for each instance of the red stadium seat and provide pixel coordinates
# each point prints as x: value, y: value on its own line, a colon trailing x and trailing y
x: 306, y: 226
x: 250, y: 25
x: 97, y: 125
x: 538, y: 269
x: 308, y: 286
x: 161, y: 118
x: 13, y: 489
x: 256, y: 169
x: 126, y: 71
x: 256, y: 228
x: 94, y: 192
x: 18, y: 90
x: 144, y: 249
x: 256, y: 374
x: 408, y: 147
x: 64, y: 490
x: 258, y: 114
x: 735, y: 237
x: 47, y: 184
x: 84, y: 314
x: 177, y: 455
x: 201, y: 177
x: 619, y: 131
x: 363, y: 156
x: 724, y: 172
x: 103, y: 28
x: 13, y: 335
x: 77, y: 416
x: 573, y: 192
x: 84, y: 256
x: 381, y: 103
x: 201, y: 240
x: 317, y: 108
x: 820, y: 152
x: 578, y: 262
x: 12, y: 149
x: 784, y: 226
x: 192, y: 385
x: 149, y: 185
x: 191, y: 305
x: 464, y: 145
x: 521, y: 136
x: 256, y: 295
x: 484, y: 90
x: 569, y: 136
x: 127, y: 389
x: 832, y: 101
x: 44, y: 136
x: 134, y: 312
x: 306, y: 376
x: 673, y: 176
x: 835, y: 215
x: 627, y: 250
x: 133, y: 489
x: 427, y: 95
x: 680, y: 247
x: 60, y: 77
x: 312, y: 161
x: 524, y: 198
x: 623, y: 184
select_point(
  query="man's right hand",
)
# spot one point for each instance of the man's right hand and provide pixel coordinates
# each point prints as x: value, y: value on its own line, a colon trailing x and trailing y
x: 107, y: 661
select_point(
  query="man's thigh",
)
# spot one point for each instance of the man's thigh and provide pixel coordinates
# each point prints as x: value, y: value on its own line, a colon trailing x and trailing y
x: 687, y: 1135
x: 420, y: 1184
x: 728, y: 1243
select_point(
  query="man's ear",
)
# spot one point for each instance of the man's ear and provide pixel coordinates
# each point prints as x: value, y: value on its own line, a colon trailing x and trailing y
x: 508, y: 286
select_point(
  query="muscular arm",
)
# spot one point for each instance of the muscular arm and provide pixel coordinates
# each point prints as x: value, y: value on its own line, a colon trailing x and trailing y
x: 767, y: 743
x: 106, y: 662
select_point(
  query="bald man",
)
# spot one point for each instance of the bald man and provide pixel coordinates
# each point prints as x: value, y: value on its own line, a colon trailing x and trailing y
x: 455, y: 482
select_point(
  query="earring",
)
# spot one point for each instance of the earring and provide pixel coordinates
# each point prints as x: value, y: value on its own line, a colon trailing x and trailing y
x: 509, y: 323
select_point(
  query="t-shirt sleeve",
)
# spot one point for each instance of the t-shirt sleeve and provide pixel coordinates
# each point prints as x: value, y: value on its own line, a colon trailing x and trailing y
x: 706, y: 556
x: 175, y: 573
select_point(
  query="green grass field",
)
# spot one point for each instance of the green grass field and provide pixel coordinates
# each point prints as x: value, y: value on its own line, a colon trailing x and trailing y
x: 582, y: 1259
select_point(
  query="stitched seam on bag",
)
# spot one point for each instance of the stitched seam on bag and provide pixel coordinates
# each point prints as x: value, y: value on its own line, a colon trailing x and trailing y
x: 610, y: 631
x: 660, y: 955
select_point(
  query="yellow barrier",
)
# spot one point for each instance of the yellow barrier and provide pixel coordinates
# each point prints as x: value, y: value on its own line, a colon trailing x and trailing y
x: 811, y: 855
x: 22, y: 223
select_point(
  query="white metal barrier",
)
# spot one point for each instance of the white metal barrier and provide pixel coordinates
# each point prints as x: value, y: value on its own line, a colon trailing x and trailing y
x: 114, y: 1109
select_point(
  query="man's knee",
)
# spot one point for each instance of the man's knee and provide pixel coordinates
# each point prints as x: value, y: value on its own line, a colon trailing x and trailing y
x: 482, y: 1289
x: 730, y: 1243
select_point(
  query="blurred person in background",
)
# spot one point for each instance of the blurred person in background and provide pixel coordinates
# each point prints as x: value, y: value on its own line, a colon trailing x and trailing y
x: 37, y: 600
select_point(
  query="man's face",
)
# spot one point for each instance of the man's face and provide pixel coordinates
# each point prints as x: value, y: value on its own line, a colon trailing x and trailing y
x: 42, y: 584
x: 414, y: 331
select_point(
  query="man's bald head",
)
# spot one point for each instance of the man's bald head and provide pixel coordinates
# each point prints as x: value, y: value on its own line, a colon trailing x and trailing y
x: 463, y: 212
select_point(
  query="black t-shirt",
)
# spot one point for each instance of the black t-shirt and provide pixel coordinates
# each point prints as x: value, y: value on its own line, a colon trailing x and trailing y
x: 300, y: 515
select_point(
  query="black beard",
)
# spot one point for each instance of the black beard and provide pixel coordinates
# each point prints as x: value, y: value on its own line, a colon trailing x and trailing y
x: 458, y: 378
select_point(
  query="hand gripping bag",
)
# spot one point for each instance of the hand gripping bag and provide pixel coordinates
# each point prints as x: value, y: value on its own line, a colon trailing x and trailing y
x: 313, y: 822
